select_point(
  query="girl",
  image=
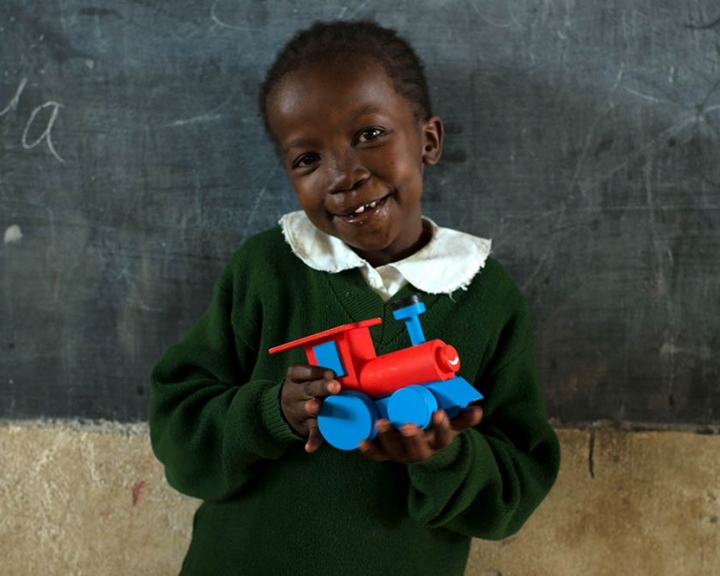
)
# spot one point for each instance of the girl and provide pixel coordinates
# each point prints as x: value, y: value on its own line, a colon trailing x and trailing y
x: 347, y: 106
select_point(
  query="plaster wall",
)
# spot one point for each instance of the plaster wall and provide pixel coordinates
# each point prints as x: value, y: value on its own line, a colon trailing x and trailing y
x: 90, y: 499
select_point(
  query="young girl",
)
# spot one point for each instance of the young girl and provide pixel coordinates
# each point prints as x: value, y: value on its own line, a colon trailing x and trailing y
x: 347, y: 106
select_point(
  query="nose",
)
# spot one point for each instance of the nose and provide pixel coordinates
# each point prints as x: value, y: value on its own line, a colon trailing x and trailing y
x: 346, y: 172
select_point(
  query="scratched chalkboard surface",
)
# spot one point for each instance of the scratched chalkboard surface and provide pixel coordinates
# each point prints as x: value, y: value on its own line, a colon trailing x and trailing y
x: 582, y: 137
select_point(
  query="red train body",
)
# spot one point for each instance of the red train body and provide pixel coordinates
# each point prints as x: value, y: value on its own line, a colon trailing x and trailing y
x: 407, y: 385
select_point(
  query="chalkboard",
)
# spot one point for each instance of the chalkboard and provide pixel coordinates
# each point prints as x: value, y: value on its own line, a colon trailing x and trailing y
x: 582, y: 137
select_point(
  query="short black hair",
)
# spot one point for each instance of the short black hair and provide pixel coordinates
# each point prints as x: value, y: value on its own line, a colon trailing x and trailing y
x: 327, y: 39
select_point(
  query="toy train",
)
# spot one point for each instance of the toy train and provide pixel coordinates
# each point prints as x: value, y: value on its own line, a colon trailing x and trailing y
x: 405, y: 386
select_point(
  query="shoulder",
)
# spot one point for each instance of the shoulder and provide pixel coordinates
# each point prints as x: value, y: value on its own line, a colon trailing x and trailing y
x: 494, y: 301
x: 258, y: 275
x: 492, y: 296
x: 262, y: 259
x: 493, y: 283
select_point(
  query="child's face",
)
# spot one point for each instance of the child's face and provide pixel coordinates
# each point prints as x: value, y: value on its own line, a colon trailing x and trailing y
x: 355, y: 153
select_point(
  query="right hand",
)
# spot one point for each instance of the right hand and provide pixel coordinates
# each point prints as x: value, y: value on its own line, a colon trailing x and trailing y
x: 301, y: 397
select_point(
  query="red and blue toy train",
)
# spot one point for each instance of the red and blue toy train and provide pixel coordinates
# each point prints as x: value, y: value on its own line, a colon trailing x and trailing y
x: 405, y: 386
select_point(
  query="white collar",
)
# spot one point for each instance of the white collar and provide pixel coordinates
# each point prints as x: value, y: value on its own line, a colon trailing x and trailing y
x: 448, y: 262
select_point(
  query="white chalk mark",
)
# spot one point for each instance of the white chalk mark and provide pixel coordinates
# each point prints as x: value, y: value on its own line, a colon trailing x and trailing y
x: 649, y: 196
x: 359, y: 9
x: 644, y: 96
x: 13, y: 234
x: 15, y: 99
x: 568, y: 6
x: 672, y: 131
x: 617, y: 81
x: 488, y: 20
x: 670, y: 349
x: 222, y: 24
x: 196, y: 120
x: 670, y: 256
x: 47, y: 133
x: 549, y: 250
x: 707, y: 97
x: 709, y: 109
x: 211, y: 115
x: 51, y: 253
x: 259, y: 198
x: 641, y: 208
x: 514, y: 18
x: 591, y: 132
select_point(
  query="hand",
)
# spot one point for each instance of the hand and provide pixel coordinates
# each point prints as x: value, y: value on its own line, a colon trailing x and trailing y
x: 411, y: 443
x: 301, y: 397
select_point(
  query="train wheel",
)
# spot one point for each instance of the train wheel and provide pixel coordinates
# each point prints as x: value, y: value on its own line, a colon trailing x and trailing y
x: 347, y: 418
x: 414, y: 404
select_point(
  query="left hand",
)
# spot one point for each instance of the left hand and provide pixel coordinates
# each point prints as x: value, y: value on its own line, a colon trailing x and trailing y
x: 411, y: 443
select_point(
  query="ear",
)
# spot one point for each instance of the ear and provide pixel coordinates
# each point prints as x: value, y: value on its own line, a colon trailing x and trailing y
x: 432, y: 140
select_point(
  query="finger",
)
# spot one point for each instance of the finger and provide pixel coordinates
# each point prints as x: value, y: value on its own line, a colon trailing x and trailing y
x: 326, y: 386
x: 305, y: 372
x: 442, y: 429
x: 312, y: 407
x: 416, y: 445
x: 373, y: 451
x: 315, y: 439
x: 390, y: 440
x: 468, y: 418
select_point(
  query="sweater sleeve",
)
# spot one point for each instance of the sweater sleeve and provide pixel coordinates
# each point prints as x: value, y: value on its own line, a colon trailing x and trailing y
x: 489, y: 480
x: 211, y: 427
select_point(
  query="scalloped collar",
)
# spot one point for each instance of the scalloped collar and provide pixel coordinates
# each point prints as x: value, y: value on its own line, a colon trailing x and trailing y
x: 447, y: 263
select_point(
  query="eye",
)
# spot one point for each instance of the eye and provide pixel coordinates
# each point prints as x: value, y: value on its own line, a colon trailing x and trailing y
x: 369, y: 134
x: 305, y: 160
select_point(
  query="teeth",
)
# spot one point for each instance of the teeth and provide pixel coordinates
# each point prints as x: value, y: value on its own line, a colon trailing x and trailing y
x: 363, y: 208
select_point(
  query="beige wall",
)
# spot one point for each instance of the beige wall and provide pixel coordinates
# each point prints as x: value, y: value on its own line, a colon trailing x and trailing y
x: 79, y: 499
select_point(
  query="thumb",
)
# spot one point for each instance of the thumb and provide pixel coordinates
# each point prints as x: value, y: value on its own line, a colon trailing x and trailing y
x: 315, y: 439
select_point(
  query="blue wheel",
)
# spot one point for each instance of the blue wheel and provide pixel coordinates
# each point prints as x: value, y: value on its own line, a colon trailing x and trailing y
x: 414, y: 404
x: 347, y: 418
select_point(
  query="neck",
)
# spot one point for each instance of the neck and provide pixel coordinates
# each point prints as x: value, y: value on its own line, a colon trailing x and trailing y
x: 381, y: 258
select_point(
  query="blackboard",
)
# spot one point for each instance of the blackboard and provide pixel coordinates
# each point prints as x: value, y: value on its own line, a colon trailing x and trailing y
x: 582, y: 137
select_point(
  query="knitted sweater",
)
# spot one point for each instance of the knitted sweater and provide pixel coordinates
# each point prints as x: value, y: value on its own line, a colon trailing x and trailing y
x: 272, y: 509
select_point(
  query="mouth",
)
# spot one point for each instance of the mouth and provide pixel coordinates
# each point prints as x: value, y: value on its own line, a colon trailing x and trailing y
x: 364, y: 210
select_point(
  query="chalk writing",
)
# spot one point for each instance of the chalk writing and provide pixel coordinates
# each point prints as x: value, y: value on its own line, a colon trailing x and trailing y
x: 47, y: 132
x: 15, y: 99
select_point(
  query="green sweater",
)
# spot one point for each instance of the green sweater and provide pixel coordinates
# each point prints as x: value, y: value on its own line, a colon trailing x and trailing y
x: 272, y: 509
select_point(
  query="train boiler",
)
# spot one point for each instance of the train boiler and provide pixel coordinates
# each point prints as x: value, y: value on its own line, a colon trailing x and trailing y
x: 405, y: 386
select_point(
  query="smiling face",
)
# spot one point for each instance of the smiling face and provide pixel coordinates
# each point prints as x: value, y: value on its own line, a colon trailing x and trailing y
x: 355, y: 152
